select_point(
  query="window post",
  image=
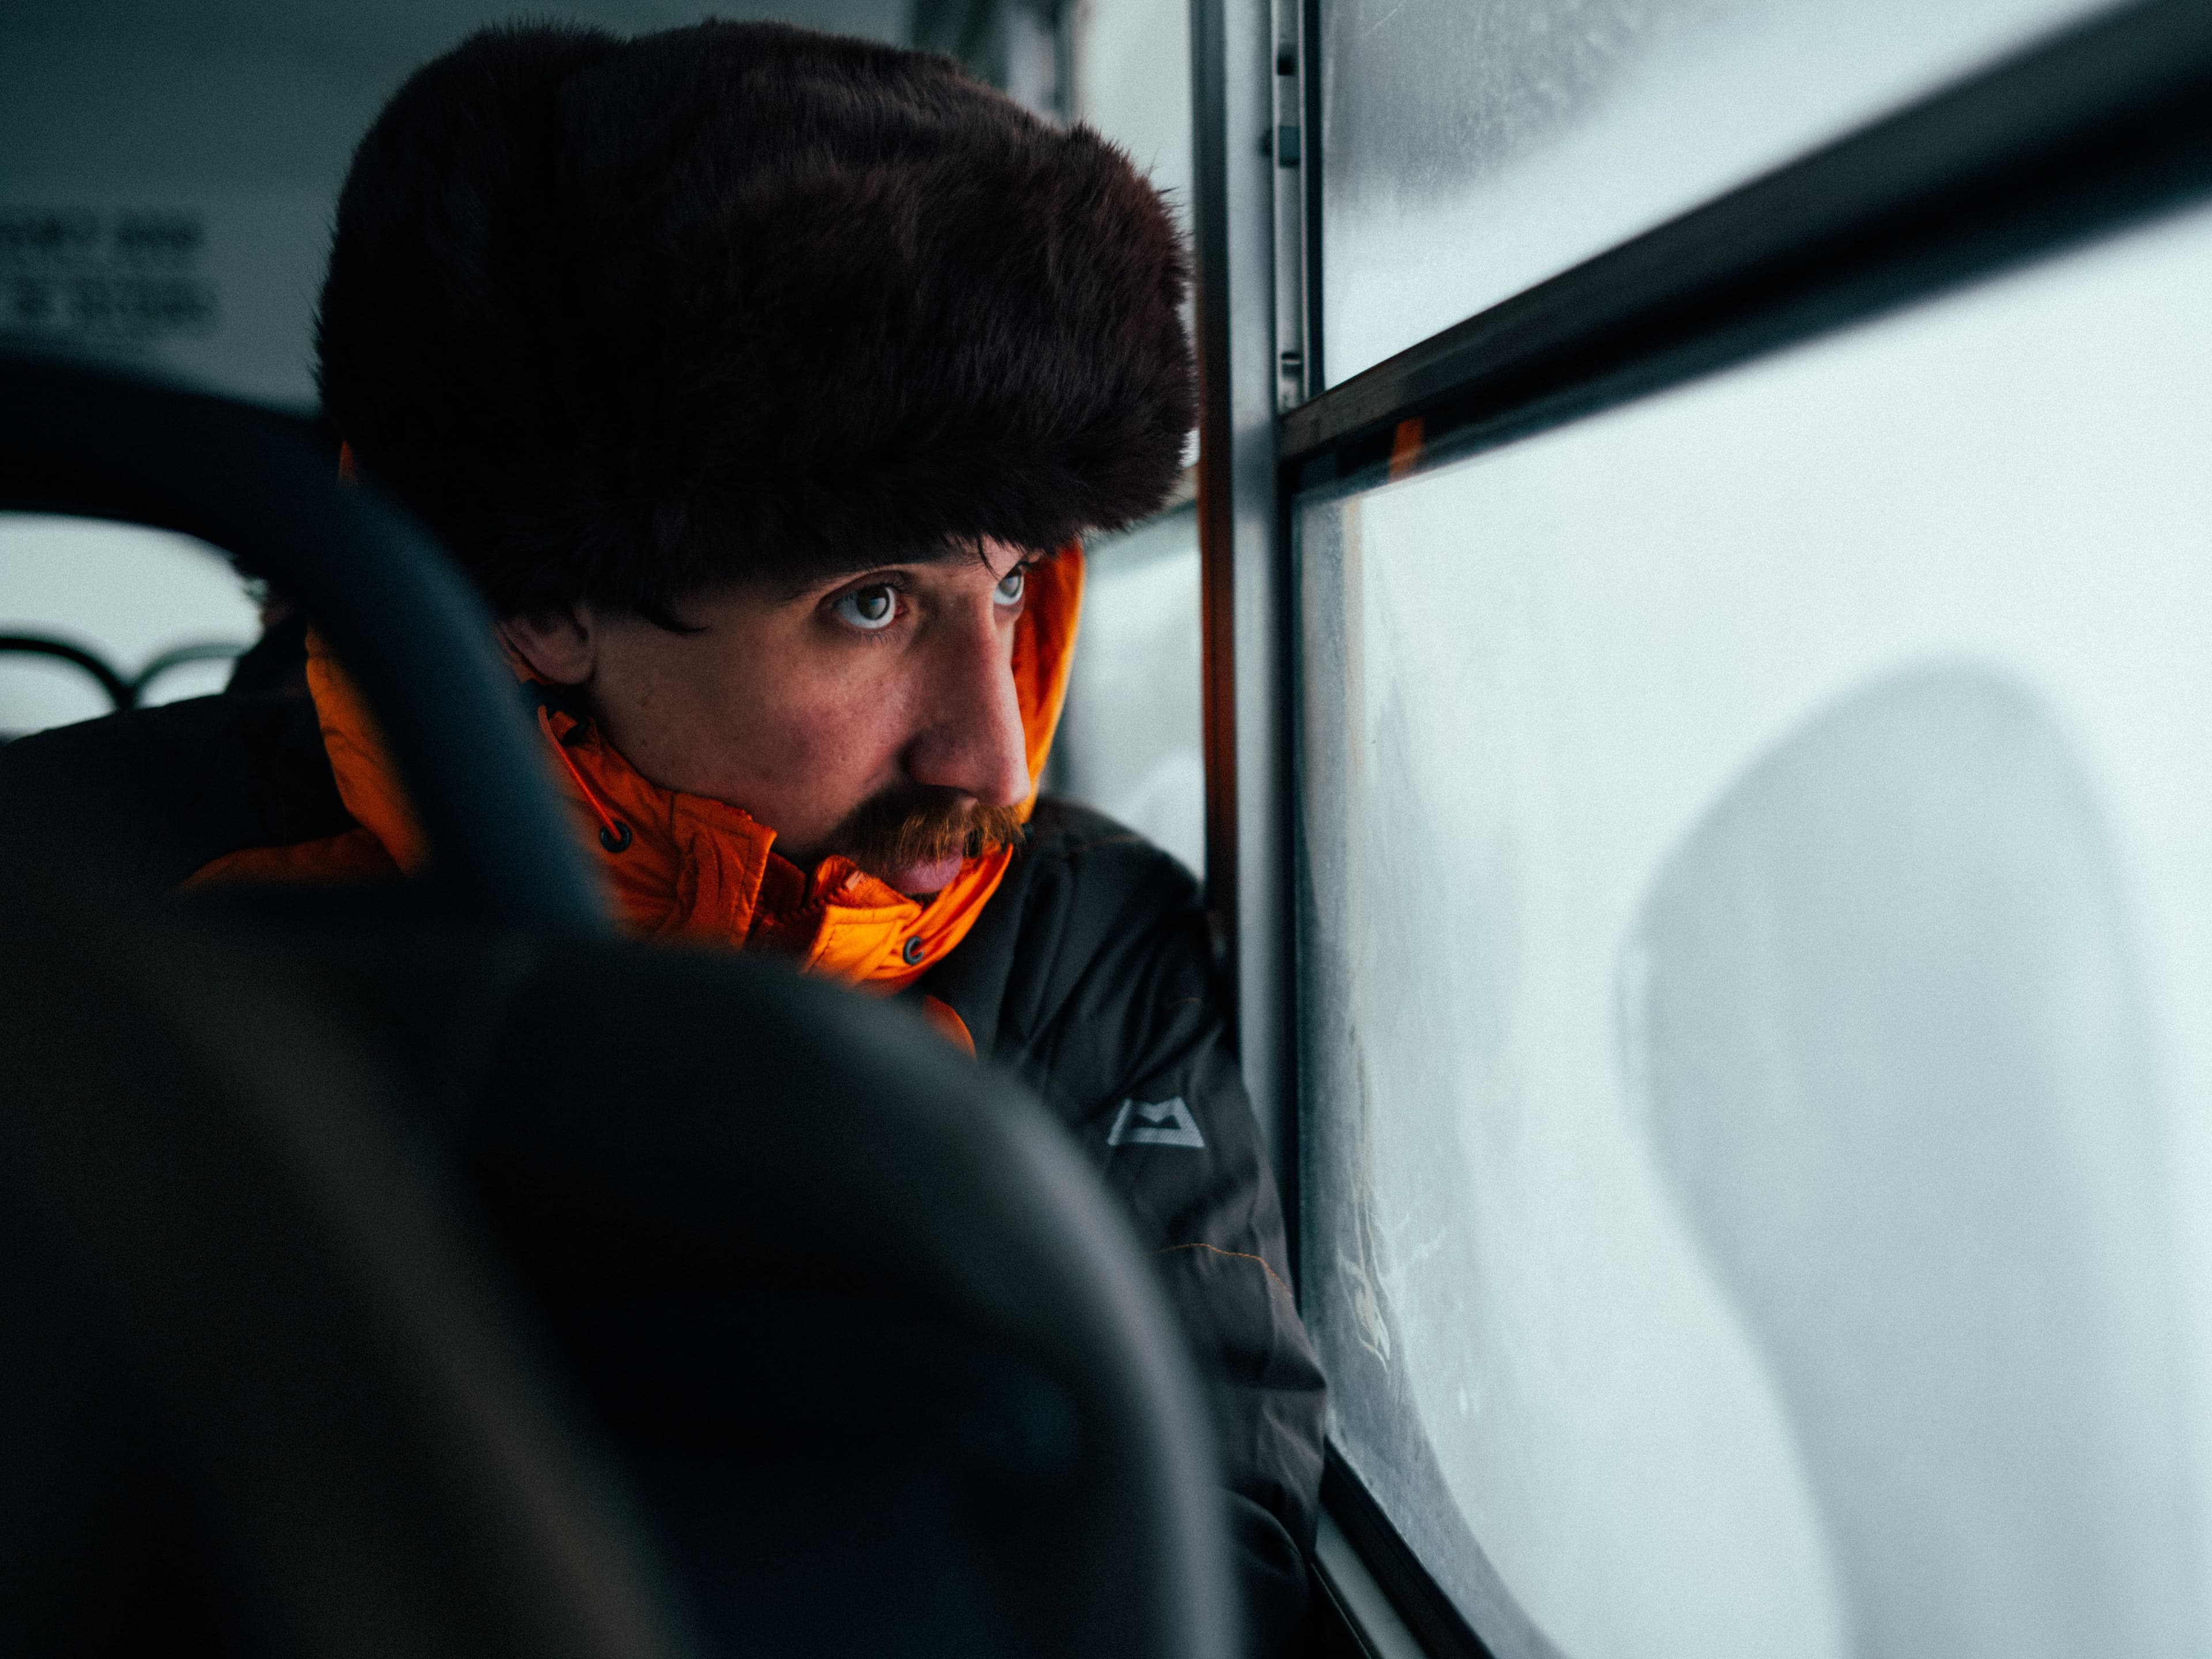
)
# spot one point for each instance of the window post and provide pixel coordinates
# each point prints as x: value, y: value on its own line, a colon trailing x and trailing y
x: 1247, y: 736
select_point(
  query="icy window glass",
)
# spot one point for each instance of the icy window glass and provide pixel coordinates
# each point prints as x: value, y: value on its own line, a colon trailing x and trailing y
x: 91, y: 609
x: 1755, y: 938
x: 1132, y: 741
x: 1472, y: 147
x: 1133, y: 84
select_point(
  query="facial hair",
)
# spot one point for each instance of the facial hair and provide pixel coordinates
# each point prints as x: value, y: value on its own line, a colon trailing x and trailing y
x: 912, y: 825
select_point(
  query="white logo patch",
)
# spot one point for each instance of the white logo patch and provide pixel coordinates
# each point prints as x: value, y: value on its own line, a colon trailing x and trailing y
x: 1163, y: 1123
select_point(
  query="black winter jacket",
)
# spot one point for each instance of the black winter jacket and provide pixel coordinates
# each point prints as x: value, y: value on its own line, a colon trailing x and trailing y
x: 1089, y: 974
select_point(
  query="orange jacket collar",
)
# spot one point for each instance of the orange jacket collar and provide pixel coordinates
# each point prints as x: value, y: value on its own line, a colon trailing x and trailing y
x: 704, y: 869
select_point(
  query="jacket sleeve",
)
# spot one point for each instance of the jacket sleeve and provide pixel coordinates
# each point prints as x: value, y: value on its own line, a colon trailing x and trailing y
x: 1113, y: 1012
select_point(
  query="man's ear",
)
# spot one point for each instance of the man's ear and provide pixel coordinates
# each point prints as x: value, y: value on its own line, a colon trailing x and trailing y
x: 560, y: 645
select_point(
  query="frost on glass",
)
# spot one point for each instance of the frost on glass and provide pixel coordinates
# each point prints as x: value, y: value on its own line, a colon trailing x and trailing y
x: 1132, y: 85
x: 1472, y: 147
x: 1132, y: 740
x: 128, y: 594
x: 1756, y: 859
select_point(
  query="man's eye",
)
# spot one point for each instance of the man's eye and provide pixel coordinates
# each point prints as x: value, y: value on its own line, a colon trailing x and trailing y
x: 868, y: 609
x: 1009, y: 590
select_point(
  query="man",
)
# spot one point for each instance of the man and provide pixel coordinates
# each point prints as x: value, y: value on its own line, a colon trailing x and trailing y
x: 764, y: 383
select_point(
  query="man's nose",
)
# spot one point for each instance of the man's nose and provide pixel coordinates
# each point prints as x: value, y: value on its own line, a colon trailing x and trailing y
x: 972, y: 739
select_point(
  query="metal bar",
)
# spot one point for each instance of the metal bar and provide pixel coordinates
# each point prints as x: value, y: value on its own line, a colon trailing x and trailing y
x: 120, y: 692
x: 2107, y: 123
x: 1246, y: 652
x: 1358, y: 1598
x: 1293, y: 361
x: 1313, y: 158
x: 1423, y: 1609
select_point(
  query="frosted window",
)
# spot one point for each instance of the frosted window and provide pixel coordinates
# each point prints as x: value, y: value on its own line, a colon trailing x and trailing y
x: 1132, y: 741
x: 1756, y: 934
x: 137, y: 599
x: 1133, y: 84
x: 1472, y: 147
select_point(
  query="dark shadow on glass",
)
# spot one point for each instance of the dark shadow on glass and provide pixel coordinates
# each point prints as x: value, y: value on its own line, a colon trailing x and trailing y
x: 1885, y: 1013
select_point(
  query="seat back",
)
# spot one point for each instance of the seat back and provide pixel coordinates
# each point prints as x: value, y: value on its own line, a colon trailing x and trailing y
x: 460, y: 1263
x: 268, y: 1391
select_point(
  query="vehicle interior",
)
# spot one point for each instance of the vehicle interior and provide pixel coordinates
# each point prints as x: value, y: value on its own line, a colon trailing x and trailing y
x: 1679, y: 659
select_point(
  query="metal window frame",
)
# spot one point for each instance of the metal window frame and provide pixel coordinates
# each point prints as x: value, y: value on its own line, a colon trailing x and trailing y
x: 1241, y: 552
x: 2104, y: 124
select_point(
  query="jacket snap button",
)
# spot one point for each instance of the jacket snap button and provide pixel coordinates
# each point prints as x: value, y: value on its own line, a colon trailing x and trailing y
x: 912, y: 952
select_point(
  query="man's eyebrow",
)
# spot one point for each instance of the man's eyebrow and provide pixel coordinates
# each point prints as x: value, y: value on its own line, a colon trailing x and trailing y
x: 828, y: 572
x: 815, y: 578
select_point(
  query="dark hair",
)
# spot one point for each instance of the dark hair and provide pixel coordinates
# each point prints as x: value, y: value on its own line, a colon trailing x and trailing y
x: 620, y: 319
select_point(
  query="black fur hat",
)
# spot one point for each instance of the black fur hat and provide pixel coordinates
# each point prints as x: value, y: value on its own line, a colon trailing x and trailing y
x: 623, y: 319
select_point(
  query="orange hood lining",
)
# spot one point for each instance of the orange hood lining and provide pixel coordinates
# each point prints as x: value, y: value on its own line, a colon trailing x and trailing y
x: 702, y: 868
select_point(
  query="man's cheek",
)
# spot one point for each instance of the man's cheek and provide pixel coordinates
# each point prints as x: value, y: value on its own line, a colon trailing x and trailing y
x: 836, y: 746
x: 862, y: 720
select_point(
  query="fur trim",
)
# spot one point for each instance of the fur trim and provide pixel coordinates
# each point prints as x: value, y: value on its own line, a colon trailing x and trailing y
x: 620, y: 319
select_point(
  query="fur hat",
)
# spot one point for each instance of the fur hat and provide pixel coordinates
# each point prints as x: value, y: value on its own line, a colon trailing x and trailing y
x: 623, y: 319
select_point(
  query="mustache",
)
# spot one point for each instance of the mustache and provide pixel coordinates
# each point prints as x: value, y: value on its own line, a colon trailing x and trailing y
x: 919, y: 823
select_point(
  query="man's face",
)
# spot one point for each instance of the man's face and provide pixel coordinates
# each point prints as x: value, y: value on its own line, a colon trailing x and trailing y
x: 872, y: 715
